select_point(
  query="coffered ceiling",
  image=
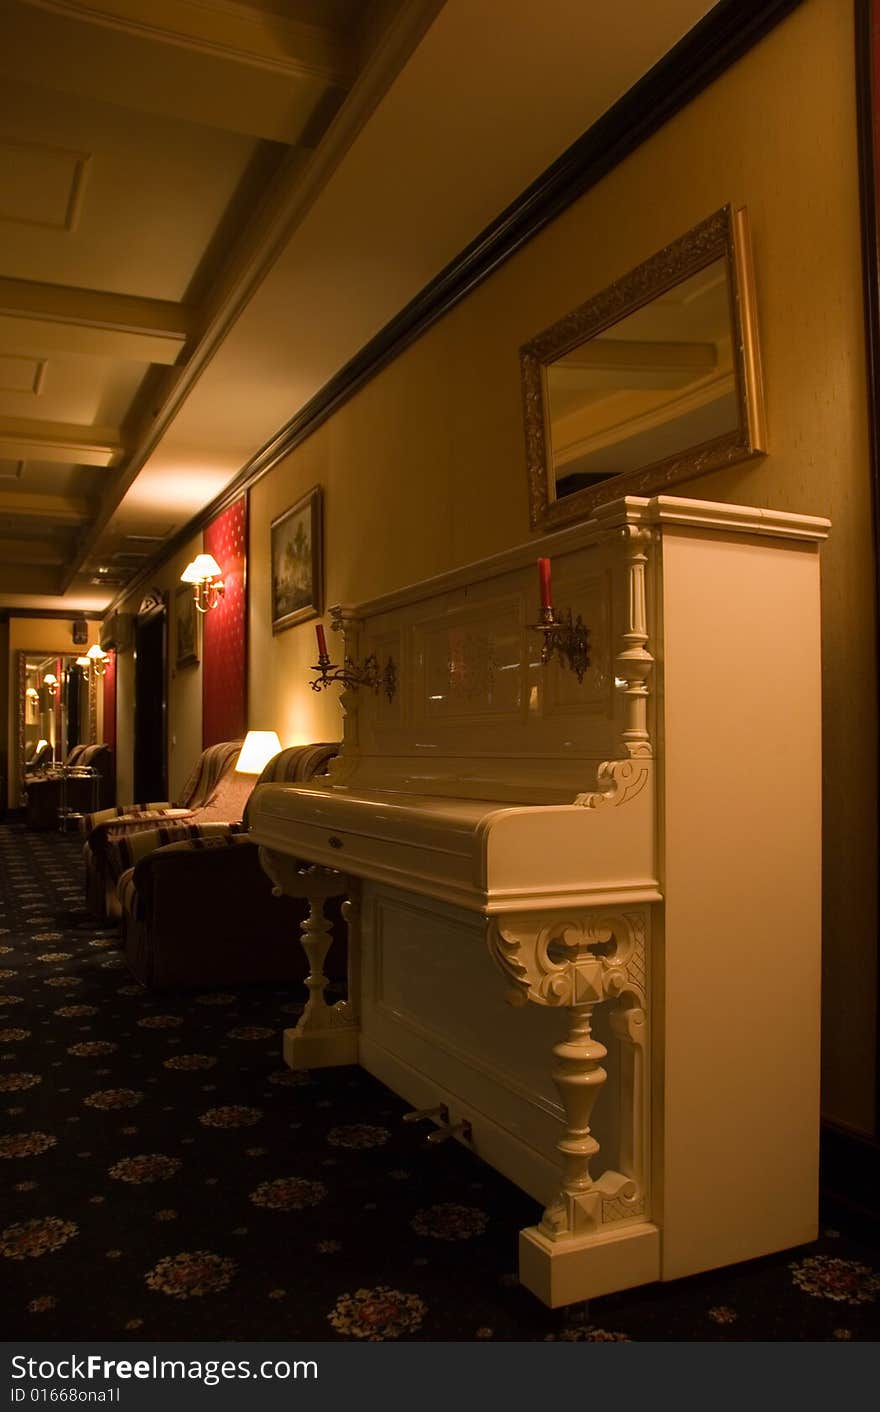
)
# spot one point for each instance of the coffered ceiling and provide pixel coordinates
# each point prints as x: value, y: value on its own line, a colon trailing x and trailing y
x: 207, y: 207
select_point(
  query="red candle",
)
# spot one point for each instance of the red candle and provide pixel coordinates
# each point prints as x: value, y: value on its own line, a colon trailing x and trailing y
x: 322, y: 641
x: 544, y: 582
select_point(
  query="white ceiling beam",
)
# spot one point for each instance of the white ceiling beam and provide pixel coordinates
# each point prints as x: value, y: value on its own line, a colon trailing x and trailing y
x: 31, y: 337
x: 61, y: 509
x: 221, y: 27
x: 37, y: 319
x: 27, y: 440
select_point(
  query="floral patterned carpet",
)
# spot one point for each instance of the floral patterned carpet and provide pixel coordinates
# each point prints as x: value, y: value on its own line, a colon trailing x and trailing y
x: 165, y: 1177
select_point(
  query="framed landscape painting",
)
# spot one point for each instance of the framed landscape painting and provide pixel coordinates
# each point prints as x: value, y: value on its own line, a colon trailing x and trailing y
x: 186, y: 621
x: 297, y: 562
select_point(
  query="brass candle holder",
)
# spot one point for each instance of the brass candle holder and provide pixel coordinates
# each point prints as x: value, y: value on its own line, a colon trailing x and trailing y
x: 566, y: 637
x: 352, y: 675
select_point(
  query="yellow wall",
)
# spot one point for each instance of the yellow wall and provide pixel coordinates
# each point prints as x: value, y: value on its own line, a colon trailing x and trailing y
x: 425, y: 468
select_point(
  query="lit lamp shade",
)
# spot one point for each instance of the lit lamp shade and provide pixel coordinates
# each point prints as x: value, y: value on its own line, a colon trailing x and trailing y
x: 203, y: 568
x: 257, y: 751
x: 96, y: 653
x: 83, y: 661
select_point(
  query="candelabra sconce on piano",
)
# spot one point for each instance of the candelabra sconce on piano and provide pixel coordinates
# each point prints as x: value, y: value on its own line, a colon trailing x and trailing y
x: 351, y: 674
x: 566, y: 637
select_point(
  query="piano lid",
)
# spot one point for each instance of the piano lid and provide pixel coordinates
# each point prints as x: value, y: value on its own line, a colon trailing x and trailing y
x: 484, y: 855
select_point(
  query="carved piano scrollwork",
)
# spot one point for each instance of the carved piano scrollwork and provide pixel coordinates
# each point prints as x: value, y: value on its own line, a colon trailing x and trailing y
x: 618, y: 781
x: 577, y: 963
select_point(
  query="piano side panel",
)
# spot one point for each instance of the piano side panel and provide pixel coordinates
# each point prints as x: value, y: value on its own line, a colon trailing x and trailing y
x: 435, y: 1026
x: 738, y: 1028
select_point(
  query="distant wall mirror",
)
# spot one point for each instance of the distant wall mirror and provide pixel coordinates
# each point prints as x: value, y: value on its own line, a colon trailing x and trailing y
x: 652, y: 381
x: 57, y: 706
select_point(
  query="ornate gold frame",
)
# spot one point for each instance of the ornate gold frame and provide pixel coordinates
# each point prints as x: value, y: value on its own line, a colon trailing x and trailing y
x: 21, y: 719
x: 312, y: 502
x: 725, y: 234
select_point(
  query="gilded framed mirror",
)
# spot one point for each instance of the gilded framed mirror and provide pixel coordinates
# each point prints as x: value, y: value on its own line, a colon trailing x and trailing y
x: 653, y: 381
x: 57, y: 707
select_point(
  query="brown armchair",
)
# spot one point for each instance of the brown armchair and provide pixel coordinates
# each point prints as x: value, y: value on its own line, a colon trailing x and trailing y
x: 200, y: 911
x: 41, y: 757
x: 108, y: 826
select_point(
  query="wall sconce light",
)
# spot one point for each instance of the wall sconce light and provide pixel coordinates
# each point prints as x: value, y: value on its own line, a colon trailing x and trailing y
x: 258, y: 749
x: 84, y: 661
x: 206, y: 577
x: 50, y: 682
x: 568, y: 638
x: 33, y: 698
x: 351, y: 674
x: 97, y: 658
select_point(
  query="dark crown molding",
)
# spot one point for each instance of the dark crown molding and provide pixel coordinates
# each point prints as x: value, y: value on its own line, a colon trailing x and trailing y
x: 727, y: 32
x: 70, y: 615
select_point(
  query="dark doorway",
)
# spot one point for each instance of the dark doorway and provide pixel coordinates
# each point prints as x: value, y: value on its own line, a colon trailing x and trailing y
x: 150, y: 780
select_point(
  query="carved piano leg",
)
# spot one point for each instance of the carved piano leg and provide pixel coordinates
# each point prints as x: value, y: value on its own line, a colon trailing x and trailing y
x: 326, y: 1035
x: 593, y: 1237
x: 579, y: 1076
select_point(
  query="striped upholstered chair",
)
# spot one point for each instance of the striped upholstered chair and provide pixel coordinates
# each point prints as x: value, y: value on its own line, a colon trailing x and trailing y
x: 199, y: 911
x: 109, y: 826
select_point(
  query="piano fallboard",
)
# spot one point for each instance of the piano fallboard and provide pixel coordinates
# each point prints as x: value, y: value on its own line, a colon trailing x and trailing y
x: 483, y: 855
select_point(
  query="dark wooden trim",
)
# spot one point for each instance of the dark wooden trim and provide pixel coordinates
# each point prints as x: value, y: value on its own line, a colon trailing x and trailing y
x: 724, y: 35
x: 157, y: 612
x: 91, y: 615
x: 849, y: 1180
x: 865, y: 106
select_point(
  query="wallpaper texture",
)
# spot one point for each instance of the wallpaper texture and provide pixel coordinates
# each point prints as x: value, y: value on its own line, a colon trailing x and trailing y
x: 109, y: 722
x: 224, y: 642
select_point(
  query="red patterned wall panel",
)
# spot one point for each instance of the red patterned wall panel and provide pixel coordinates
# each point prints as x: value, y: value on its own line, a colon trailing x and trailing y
x: 224, y: 641
x: 109, y: 679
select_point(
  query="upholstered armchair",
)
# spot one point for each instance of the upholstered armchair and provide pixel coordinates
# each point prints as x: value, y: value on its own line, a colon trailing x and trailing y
x: 48, y: 794
x: 199, y: 911
x: 201, y: 799
x: 41, y: 757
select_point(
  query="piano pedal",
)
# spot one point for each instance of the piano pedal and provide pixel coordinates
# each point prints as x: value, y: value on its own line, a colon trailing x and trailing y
x: 438, y: 1114
x: 575, y: 1315
x: 462, y: 1130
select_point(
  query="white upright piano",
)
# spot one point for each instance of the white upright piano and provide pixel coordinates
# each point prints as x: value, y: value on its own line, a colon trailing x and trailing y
x: 585, y: 914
